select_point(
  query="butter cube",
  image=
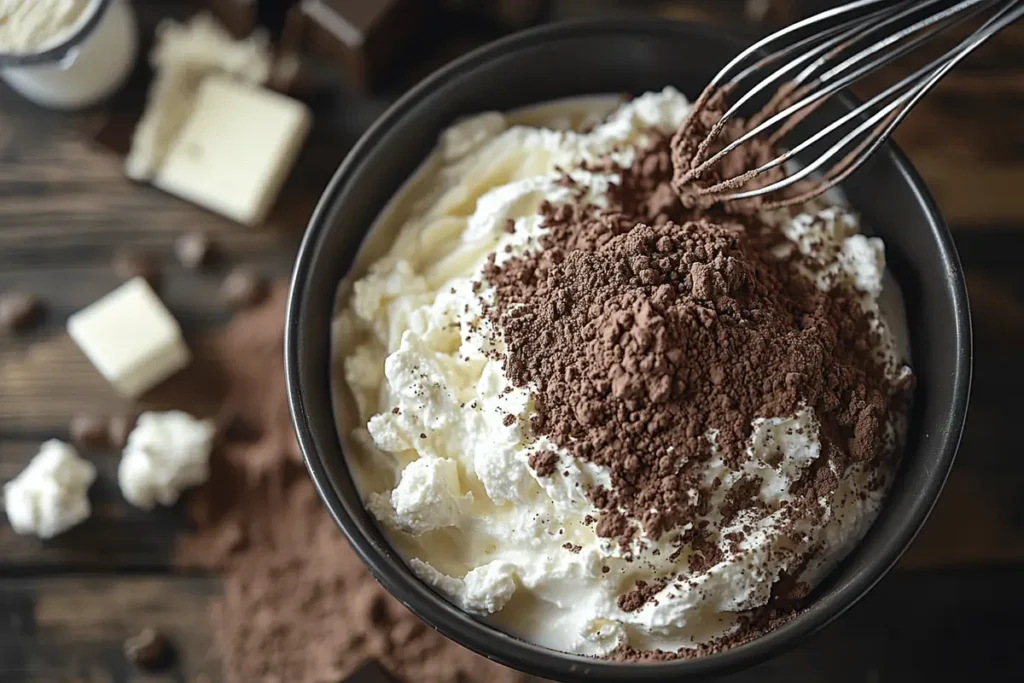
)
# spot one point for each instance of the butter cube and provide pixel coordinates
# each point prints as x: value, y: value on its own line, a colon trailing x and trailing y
x: 131, y: 338
x: 235, y: 150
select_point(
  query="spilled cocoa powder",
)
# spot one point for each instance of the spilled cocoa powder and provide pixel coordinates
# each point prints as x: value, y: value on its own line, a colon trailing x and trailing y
x: 298, y: 605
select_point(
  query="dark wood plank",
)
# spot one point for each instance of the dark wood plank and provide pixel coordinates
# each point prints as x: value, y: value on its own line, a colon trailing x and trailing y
x: 915, y: 626
x: 71, y: 630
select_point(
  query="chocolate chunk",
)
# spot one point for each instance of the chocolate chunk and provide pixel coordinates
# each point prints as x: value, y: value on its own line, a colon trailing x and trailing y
x: 238, y: 16
x: 544, y: 462
x: 370, y: 672
x: 90, y: 431
x: 118, y: 429
x: 18, y: 311
x: 193, y: 249
x: 363, y: 37
x: 149, y: 650
x: 131, y: 263
x: 244, y: 287
x: 235, y: 427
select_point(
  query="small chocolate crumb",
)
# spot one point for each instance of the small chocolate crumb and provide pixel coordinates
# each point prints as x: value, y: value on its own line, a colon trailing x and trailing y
x: 132, y: 263
x: 243, y: 288
x: 509, y: 420
x: 119, y: 427
x: 370, y: 672
x: 18, y: 311
x: 193, y: 249
x: 233, y: 427
x: 544, y: 463
x: 90, y: 431
x: 149, y: 650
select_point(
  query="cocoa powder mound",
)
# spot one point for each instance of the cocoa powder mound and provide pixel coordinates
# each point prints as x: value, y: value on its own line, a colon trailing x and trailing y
x: 643, y: 331
x: 298, y: 604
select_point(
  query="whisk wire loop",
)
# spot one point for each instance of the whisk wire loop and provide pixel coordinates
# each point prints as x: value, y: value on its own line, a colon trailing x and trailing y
x: 847, y: 43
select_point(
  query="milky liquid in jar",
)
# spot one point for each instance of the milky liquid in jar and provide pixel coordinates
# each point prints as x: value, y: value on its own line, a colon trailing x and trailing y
x: 54, y: 74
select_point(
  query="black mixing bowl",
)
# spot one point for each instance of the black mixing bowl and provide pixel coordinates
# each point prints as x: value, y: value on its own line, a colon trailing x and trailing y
x: 559, y: 61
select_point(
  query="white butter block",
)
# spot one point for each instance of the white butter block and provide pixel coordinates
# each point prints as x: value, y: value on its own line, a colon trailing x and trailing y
x: 131, y: 338
x: 235, y: 150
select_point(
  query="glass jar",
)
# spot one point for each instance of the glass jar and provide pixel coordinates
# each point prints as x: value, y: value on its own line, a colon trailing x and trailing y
x: 87, y: 65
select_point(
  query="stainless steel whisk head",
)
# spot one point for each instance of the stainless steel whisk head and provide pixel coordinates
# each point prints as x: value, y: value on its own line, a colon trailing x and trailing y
x: 844, y: 44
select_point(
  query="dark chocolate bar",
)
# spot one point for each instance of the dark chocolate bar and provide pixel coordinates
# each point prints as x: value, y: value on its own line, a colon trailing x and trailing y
x: 238, y: 16
x: 363, y: 37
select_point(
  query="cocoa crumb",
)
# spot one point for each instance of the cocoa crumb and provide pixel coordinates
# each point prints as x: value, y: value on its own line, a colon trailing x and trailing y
x: 641, y: 594
x: 544, y: 463
x: 89, y: 431
x: 18, y: 311
x: 193, y: 249
x: 149, y: 650
x: 130, y: 263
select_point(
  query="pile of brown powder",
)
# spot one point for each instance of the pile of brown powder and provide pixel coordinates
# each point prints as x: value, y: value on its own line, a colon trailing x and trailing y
x: 645, y: 324
x: 299, y: 606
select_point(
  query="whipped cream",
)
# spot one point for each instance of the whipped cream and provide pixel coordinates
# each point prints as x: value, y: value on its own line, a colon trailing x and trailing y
x: 167, y: 452
x: 441, y: 447
x: 51, y: 495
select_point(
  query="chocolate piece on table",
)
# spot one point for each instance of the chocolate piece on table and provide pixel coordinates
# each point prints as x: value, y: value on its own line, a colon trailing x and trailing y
x: 193, y: 249
x: 238, y: 16
x: 244, y: 287
x: 364, y: 37
x: 90, y: 431
x: 18, y: 311
x: 149, y: 650
x: 370, y: 672
x: 131, y: 263
x: 118, y: 429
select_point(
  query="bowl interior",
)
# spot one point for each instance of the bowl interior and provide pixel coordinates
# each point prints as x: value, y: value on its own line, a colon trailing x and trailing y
x: 600, y: 57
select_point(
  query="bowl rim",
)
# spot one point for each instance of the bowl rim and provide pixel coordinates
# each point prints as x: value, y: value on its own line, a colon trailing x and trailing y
x: 487, y: 640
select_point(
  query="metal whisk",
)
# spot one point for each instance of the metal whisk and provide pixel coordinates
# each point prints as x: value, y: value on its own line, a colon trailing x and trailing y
x: 845, y: 44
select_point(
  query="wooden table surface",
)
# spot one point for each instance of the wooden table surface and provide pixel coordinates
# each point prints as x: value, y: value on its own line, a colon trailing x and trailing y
x: 66, y: 605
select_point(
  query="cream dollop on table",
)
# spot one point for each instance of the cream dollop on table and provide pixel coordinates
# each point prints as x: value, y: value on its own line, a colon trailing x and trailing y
x: 448, y: 476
